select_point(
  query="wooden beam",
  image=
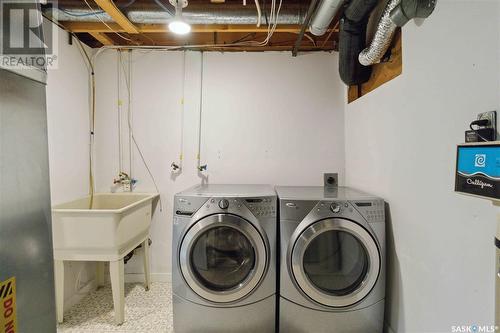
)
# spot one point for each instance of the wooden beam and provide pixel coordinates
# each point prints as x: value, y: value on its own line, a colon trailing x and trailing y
x: 162, y: 28
x: 102, y: 38
x: 259, y: 48
x: 382, y: 72
x: 109, y: 7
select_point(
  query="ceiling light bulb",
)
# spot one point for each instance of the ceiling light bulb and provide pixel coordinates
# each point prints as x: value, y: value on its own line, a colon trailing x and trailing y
x: 179, y: 27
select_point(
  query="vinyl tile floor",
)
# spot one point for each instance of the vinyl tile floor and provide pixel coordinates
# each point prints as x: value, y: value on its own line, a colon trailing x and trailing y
x: 145, y: 311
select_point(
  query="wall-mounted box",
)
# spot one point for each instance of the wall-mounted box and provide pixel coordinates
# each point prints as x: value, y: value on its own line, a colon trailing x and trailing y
x: 478, y: 169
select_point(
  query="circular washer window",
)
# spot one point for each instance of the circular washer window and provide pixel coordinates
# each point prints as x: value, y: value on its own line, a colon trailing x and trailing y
x: 335, y: 262
x: 223, y: 257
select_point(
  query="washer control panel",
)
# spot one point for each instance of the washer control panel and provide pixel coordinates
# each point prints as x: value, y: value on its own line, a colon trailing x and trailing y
x: 333, y: 207
x: 261, y: 207
x: 373, y: 211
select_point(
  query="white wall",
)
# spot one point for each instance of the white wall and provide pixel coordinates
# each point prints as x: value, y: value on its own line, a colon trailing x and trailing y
x: 68, y: 134
x: 267, y: 118
x: 400, y: 144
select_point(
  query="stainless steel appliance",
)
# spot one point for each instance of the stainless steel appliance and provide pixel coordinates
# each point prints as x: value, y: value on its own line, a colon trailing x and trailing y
x: 224, y: 259
x: 332, y: 268
x: 25, y: 219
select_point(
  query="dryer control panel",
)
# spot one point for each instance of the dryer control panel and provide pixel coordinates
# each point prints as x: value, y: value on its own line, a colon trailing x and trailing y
x: 372, y: 210
x: 261, y: 207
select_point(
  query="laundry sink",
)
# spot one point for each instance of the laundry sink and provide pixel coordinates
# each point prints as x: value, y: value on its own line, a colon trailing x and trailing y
x: 103, y: 230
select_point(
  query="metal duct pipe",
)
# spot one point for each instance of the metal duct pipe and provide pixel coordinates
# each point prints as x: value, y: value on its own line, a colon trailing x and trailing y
x: 410, y: 9
x: 191, y: 14
x: 382, y: 38
x: 324, y: 16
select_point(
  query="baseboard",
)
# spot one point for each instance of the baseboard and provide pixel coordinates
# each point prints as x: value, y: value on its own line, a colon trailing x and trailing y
x: 80, y: 294
x: 155, y: 277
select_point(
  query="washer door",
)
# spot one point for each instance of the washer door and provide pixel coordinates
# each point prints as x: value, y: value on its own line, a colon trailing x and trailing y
x: 335, y: 262
x: 223, y: 257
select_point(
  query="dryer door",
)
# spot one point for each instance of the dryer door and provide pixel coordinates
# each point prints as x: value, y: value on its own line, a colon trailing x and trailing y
x: 335, y: 262
x: 223, y: 257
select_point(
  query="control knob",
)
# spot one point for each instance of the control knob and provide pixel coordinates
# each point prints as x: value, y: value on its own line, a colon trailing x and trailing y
x: 224, y: 204
x: 335, y: 208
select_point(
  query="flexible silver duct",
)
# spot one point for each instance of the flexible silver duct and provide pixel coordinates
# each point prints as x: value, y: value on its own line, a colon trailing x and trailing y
x: 292, y: 15
x: 324, y: 16
x: 382, y: 38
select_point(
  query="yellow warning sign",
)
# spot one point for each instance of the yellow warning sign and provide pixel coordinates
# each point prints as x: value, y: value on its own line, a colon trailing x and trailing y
x: 8, y: 318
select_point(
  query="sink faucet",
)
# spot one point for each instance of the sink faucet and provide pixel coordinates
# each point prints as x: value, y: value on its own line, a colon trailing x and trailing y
x: 124, y: 180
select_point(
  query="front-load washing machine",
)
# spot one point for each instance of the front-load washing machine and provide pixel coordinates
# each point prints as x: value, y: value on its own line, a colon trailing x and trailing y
x: 332, y: 268
x: 224, y: 259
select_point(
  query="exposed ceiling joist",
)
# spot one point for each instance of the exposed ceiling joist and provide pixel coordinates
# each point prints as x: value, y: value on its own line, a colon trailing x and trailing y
x: 102, y: 38
x: 109, y: 7
x: 161, y: 28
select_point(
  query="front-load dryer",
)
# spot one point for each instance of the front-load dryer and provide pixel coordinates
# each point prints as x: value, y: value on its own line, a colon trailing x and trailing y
x: 332, y: 267
x: 224, y: 259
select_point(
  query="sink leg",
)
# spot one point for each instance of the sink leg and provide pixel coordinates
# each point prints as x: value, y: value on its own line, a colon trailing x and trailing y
x: 118, y: 287
x: 59, y: 282
x: 147, y: 272
x: 100, y: 273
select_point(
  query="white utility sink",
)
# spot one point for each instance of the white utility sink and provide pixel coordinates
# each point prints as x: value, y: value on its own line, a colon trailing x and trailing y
x: 107, y: 230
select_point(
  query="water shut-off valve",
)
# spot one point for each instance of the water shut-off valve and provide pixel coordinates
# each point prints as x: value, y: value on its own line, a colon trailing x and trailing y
x: 175, y: 166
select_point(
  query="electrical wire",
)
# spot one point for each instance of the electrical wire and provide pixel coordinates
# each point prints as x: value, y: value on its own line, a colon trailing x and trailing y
x: 92, y: 121
x: 129, y: 113
x: 198, y: 156
x: 477, y: 133
x: 77, y: 14
x: 181, y: 154
x: 127, y: 84
x: 327, y: 37
x: 335, y: 27
x: 309, y: 37
x: 119, y: 104
x: 272, y: 23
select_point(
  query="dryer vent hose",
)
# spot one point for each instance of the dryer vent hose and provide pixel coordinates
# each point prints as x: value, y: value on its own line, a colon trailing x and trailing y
x: 396, y: 14
x: 382, y: 38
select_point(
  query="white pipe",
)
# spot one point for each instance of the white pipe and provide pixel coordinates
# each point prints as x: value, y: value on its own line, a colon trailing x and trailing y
x: 259, y: 14
x: 181, y: 156
x: 198, y: 156
x: 119, y: 104
x: 324, y: 15
x: 129, y: 69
